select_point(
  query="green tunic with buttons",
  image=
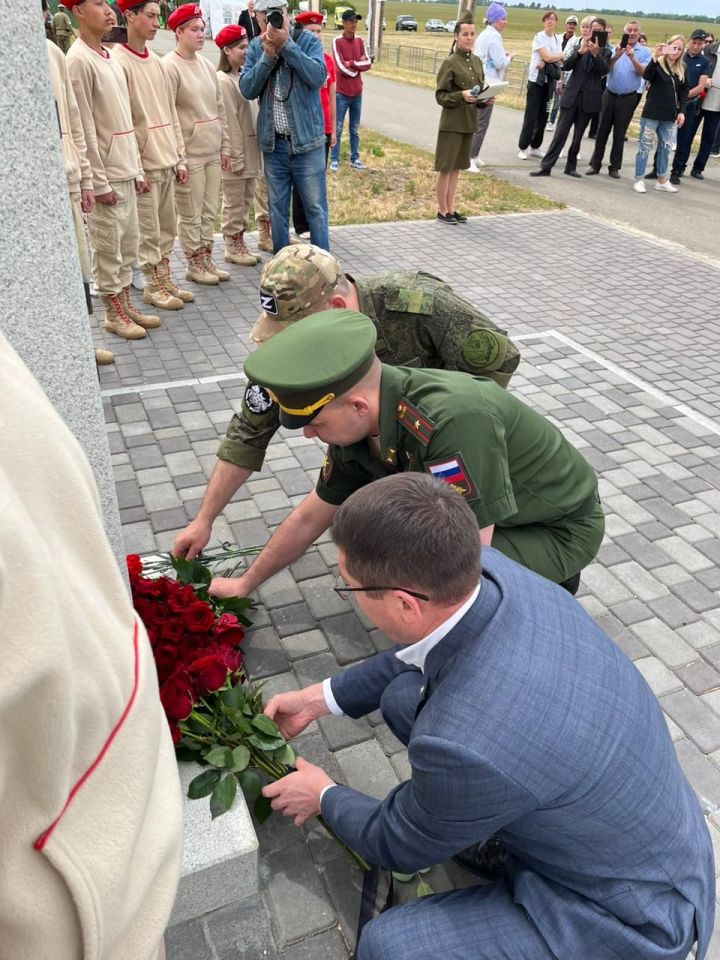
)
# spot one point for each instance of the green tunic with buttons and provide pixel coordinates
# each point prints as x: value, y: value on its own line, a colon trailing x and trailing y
x: 421, y: 322
x: 516, y: 469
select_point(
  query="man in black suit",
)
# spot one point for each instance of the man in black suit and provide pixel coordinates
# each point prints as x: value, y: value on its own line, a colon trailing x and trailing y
x: 581, y: 98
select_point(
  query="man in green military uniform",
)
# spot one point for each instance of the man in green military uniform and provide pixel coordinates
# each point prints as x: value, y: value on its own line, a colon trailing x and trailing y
x: 63, y: 29
x: 533, y: 495
x: 419, y: 322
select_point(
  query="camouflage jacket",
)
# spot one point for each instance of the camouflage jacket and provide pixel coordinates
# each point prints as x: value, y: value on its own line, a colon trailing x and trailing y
x: 421, y: 322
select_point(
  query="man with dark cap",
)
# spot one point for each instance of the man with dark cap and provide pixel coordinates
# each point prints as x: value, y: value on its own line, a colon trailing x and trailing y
x: 63, y: 28
x: 533, y: 495
x: 351, y: 61
x: 420, y: 322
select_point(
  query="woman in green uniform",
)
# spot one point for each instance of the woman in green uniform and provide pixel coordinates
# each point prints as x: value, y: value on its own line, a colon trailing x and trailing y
x: 457, y: 76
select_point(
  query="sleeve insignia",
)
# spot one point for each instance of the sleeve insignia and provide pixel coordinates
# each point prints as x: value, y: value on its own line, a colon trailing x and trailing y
x: 452, y: 472
x: 257, y: 399
x: 326, y: 469
x: 483, y: 350
x: 415, y: 422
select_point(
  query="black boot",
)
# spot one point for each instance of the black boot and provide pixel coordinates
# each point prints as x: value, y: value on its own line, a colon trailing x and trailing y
x: 571, y: 584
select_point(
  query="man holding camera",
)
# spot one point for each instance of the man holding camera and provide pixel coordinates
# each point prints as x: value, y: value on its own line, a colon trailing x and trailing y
x: 625, y: 82
x: 286, y: 75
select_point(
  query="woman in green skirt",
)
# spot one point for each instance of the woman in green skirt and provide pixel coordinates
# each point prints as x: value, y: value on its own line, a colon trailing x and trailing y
x: 457, y: 76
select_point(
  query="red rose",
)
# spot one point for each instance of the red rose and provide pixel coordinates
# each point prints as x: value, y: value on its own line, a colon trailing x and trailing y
x: 179, y: 599
x: 231, y: 658
x: 176, y: 696
x: 225, y: 621
x: 232, y: 637
x: 172, y: 630
x: 134, y: 565
x: 148, y: 588
x: 198, y: 617
x: 175, y: 733
x: 208, y: 673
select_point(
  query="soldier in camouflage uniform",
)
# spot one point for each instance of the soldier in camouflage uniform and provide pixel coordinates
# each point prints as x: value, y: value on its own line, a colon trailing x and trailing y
x: 63, y: 29
x: 420, y: 322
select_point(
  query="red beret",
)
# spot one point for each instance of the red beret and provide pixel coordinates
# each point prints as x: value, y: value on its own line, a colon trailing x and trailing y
x: 309, y: 16
x: 126, y: 5
x: 188, y: 11
x: 230, y: 35
x: 69, y: 4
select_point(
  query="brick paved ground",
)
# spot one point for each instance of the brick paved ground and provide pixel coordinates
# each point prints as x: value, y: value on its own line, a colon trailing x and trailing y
x: 606, y: 356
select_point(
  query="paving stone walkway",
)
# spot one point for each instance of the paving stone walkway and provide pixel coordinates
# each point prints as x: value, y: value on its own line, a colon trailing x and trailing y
x: 611, y: 352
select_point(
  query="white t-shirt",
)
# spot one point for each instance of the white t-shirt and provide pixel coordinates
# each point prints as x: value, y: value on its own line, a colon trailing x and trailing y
x: 712, y: 97
x: 553, y: 43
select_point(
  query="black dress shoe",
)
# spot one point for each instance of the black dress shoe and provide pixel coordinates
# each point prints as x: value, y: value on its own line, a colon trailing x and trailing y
x: 697, y: 175
x: 614, y: 174
x: 675, y: 179
x: 540, y: 173
x: 572, y: 584
x: 487, y: 861
x: 592, y: 172
x: 460, y: 217
x: 652, y: 175
x: 572, y: 173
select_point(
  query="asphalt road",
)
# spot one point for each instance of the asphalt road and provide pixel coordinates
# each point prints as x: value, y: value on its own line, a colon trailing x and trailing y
x: 410, y: 114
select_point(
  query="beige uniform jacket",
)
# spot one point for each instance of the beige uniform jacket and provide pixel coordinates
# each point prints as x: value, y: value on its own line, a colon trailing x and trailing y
x: 200, y: 107
x: 90, y: 807
x: 77, y: 169
x: 241, y: 117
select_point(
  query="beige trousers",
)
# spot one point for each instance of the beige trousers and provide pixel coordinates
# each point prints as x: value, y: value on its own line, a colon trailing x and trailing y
x: 197, y: 203
x: 156, y: 218
x: 114, y: 240
x: 238, y: 194
x: 79, y: 224
x: 261, y: 199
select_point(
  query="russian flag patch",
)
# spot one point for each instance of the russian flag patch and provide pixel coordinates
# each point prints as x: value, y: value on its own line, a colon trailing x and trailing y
x: 452, y: 471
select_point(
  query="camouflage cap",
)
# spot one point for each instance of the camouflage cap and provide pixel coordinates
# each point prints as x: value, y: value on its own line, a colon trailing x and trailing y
x: 294, y: 283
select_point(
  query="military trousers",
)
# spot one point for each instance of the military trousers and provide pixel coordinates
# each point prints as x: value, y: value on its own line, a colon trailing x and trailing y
x: 238, y: 193
x: 197, y: 203
x: 79, y: 225
x: 156, y: 218
x: 262, y: 208
x: 114, y: 240
x: 556, y: 550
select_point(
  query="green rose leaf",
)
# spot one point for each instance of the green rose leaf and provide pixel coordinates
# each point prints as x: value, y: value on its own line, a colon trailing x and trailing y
x: 424, y: 889
x: 403, y: 877
x: 235, y: 605
x: 223, y: 796
x: 234, y: 698
x: 203, y: 784
x: 250, y: 783
x: 186, y: 752
x: 265, y: 744
x: 285, y: 755
x: 192, y: 572
x: 240, y: 758
x: 266, y: 725
x: 219, y: 757
x: 261, y: 809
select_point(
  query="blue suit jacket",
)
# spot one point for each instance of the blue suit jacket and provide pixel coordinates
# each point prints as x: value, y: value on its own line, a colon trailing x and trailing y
x: 538, y: 729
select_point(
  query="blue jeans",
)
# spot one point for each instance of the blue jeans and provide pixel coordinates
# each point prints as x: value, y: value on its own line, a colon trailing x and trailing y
x: 342, y: 106
x: 305, y: 172
x: 648, y: 129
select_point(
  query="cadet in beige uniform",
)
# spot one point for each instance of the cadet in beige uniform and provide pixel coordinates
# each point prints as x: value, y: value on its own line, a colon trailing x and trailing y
x: 201, y: 112
x: 102, y: 98
x: 162, y: 152
x: 240, y: 180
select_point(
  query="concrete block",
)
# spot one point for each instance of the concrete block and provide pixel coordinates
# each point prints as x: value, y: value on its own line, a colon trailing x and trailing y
x: 321, y: 597
x: 295, y: 892
x: 242, y: 931
x: 220, y: 857
x: 664, y: 642
x: 693, y: 716
x: 659, y: 678
x: 643, y: 584
x: 367, y: 769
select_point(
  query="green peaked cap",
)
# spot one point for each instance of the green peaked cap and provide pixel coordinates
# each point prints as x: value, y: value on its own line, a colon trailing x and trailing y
x: 313, y: 361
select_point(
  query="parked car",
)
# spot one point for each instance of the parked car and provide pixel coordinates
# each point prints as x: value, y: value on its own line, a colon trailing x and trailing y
x: 406, y: 23
x: 434, y: 26
x: 450, y: 26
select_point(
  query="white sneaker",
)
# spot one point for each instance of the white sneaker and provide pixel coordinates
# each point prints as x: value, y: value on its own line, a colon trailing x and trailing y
x: 549, y: 125
x: 667, y: 187
x: 522, y: 155
x: 639, y: 186
x: 532, y: 152
x: 475, y: 165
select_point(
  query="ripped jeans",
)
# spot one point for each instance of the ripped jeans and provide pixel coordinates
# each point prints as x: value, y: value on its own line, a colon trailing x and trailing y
x: 664, y: 129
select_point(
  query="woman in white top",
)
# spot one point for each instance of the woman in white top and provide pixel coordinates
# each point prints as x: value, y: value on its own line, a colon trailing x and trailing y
x: 489, y: 48
x: 546, y: 52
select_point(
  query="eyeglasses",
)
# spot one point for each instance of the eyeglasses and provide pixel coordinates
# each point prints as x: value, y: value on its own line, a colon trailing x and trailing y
x: 345, y: 591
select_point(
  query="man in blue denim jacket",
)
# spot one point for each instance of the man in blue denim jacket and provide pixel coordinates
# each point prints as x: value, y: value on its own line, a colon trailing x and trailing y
x: 286, y: 76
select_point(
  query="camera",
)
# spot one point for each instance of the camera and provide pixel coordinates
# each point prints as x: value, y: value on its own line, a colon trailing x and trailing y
x: 275, y: 19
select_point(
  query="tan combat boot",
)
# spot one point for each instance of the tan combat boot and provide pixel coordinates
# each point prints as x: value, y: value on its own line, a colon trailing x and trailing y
x: 156, y: 293
x: 264, y: 238
x: 237, y: 252
x: 197, y: 269
x: 185, y: 295
x: 147, y: 320
x: 117, y: 321
x: 104, y: 357
x: 211, y: 266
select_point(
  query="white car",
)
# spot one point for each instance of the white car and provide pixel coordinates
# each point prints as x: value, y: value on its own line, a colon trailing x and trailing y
x: 450, y: 26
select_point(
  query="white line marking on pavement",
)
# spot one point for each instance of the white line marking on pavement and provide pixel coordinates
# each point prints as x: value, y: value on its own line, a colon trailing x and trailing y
x: 168, y: 384
x: 666, y: 399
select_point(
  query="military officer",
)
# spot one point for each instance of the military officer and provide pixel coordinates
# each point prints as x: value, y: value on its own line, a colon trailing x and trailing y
x: 533, y: 495
x: 419, y: 321
x: 63, y: 28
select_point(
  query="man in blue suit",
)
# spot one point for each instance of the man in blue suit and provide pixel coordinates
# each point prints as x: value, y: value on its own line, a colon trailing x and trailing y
x: 523, y: 721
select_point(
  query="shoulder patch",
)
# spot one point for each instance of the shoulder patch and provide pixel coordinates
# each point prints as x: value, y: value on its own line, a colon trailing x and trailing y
x: 257, y: 399
x: 420, y: 426
x: 483, y: 350
x: 407, y: 300
x: 326, y: 468
x: 452, y: 472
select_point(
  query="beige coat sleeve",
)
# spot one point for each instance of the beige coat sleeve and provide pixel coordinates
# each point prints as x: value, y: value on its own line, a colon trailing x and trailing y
x: 82, y: 84
x: 236, y: 148
x: 179, y: 140
x: 76, y: 132
x: 225, y: 145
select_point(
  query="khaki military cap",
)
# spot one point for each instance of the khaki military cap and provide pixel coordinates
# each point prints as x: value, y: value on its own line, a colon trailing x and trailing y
x: 293, y: 283
x: 316, y: 360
